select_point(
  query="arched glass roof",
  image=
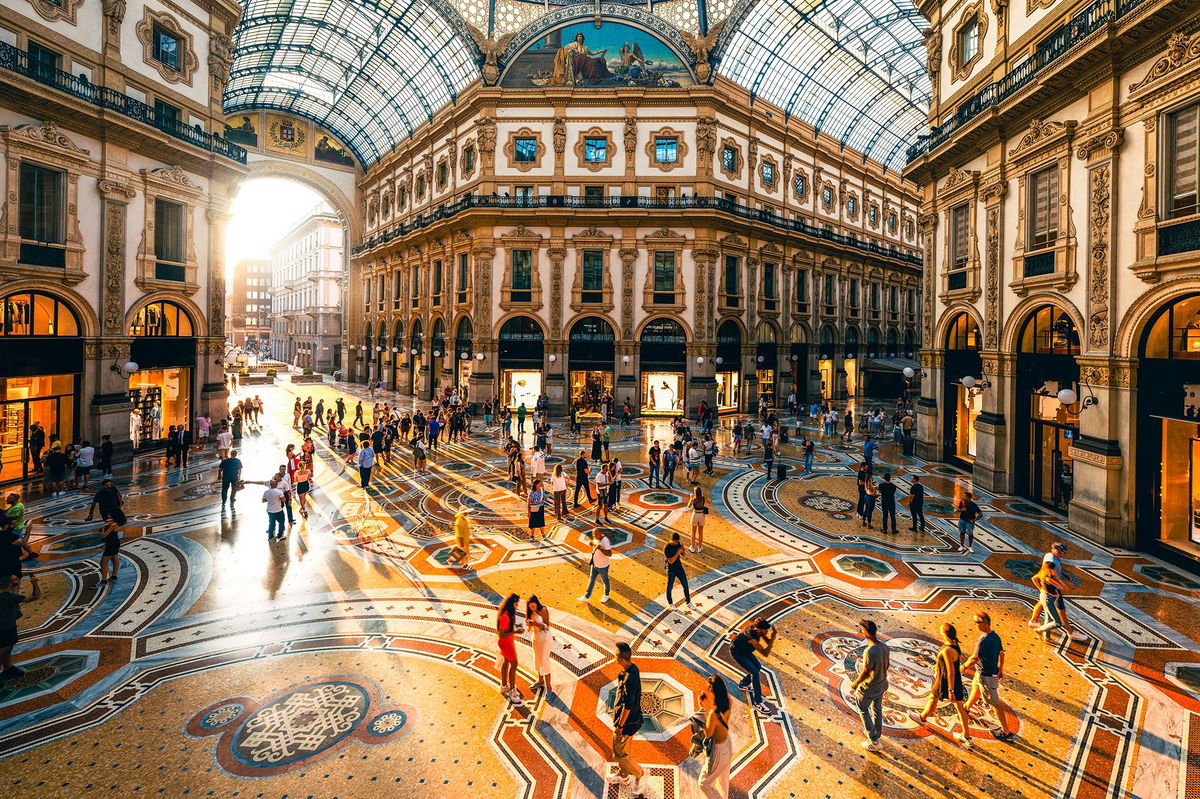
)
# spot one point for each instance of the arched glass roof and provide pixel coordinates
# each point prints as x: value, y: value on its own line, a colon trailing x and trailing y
x: 855, y: 69
x: 371, y: 71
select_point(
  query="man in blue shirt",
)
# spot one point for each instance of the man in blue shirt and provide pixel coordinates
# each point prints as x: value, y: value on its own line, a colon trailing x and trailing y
x: 869, y: 448
x: 988, y: 661
x: 366, y: 459
x: 231, y: 472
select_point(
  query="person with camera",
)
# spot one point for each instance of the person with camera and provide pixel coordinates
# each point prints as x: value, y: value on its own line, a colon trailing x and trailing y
x: 758, y: 637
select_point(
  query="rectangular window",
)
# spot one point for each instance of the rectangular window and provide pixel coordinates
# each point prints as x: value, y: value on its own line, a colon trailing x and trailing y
x: 960, y: 234
x: 170, y: 233
x: 769, y: 270
x: 42, y: 204
x: 830, y: 292
x: 464, y: 275
x: 852, y: 299
x: 893, y: 299
x: 595, y: 151
x: 593, y: 196
x: 469, y: 160
x: 664, y: 278
x: 522, y: 275
x: 1183, y: 194
x: 415, y: 294
x: 166, y: 47
x: 525, y: 150
x: 802, y: 286
x: 910, y: 301
x: 593, y: 276
x: 443, y: 173
x: 729, y: 159
x: 166, y: 115
x: 768, y: 173
x: 43, y: 61
x: 396, y: 287
x: 968, y: 42
x: 1043, y: 208
x: 437, y: 282
x: 732, y: 280
x: 874, y: 296
x: 666, y: 150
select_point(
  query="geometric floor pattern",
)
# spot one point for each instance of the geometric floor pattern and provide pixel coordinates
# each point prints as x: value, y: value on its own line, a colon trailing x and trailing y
x: 349, y: 661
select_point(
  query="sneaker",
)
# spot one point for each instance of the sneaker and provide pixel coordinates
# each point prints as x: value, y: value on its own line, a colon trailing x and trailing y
x: 963, y: 740
x: 871, y: 746
x: 583, y: 599
x: 1032, y: 624
x: 619, y: 779
x: 635, y: 785
x: 1075, y: 634
x: 1004, y: 736
x: 764, y: 708
x: 604, y: 599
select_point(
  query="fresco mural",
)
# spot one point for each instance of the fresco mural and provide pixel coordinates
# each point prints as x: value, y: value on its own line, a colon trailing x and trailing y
x: 611, y: 56
x: 240, y: 129
x: 329, y: 150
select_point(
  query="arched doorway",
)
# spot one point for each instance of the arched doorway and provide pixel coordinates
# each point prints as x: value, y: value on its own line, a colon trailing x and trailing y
x: 438, y: 343
x: 164, y: 348
x: 463, y: 361
x: 798, y: 363
x: 365, y: 351
x: 766, y: 362
x: 397, y: 354
x: 591, y: 352
x: 850, y: 362
x: 41, y: 367
x: 729, y: 366
x: 662, y: 358
x: 1167, y: 481
x: 522, y: 370
x: 1047, y: 344
x: 415, y: 353
x: 963, y: 406
x: 826, y: 339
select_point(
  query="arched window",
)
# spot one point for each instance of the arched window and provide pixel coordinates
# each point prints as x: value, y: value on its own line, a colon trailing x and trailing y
x: 161, y: 318
x: 729, y: 343
x: 893, y: 341
x: 438, y: 340
x: 910, y: 347
x: 872, y: 342
x: 851, y: 342
x: 1175, y: 330
x: 521, y: 339
x: 33, y: 313
x: 663, y: 341
x: 414, y: 339
x: 398, y: 337
x: 592, y: 339
x: 463, y: 337
x: 963, y: 334
x: 1049, y: 330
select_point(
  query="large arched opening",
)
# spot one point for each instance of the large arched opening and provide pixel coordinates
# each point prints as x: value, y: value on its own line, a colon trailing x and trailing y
x: 662, y: 357
x: 522, y: 371
x: 729, y: 366
x: 591, y: 362
x: 962, y: 358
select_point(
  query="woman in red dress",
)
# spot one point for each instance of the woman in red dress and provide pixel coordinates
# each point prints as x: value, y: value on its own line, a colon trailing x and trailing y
x: 506, y: 628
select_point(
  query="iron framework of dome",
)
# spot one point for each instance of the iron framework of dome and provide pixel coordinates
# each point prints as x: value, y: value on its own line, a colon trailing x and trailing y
x: 372, y: 71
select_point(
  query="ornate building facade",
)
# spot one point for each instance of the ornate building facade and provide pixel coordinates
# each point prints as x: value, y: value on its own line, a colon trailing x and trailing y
x: 115, y: 203
x: 665, y: 246
x: 1061, y: 233
x: 308, y: 274
x: 248, y: 310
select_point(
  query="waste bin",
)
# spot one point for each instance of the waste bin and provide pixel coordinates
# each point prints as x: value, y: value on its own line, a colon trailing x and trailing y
x: 781, y: 471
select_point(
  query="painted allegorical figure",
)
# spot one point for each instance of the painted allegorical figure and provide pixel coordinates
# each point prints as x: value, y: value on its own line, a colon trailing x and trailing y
x: 575, y: 63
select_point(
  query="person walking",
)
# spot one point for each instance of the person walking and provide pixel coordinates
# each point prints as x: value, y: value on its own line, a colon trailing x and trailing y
x: 988, y: 662
x: 582, y: 483
x: 916, y: 504
x: 537, y: 618
x: 699, y: 507
x: 536, y: 505
x: 108, y: 501
x: 105, y: 455
x: 597, y: 444
x: 627, y: 721
x: 110, y: 558
x: 460, y: 553
x: 273, y: 498
x: 870, y: 447
x: 968, y: 514
x: 366, y: 461
x: 1050, y: 589
x: 606, y: 440
x: 809, y: 448
x: 506, y: 630
x: 303, y: 477
x: 948, y: 684
x: 601, y: 557
x: 670, y: 459
x: 11, y: 600
x: 603, y: 481
x: 709, y: 450
x: 230, y: 472
x: 615, y: 468
x: 757, y: 637
x: 522, y: 412
x: 14, y: 514
x: 654, y: 459
x: 887, y: 502
x: 1058, y: 550
x: 358, y: 416
x: 871, y: 684
x: 673, y: 552
x: 558, y: 488
x: 715, y: 703
x: 692, y: 460
x: 860, y: 479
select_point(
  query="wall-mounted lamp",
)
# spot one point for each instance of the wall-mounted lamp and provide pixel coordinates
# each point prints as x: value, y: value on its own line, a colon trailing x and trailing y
x: 437, y: 353
x: 975, y: 387
x: 553, y: 357
x: 795, y: 358
x: 125, y: 370
x: 479, y: 356
x: 463, y: 356
x: 378, y: 349
x: 624, y: 359
x: 413, y: 351
x: 395, y: 349
x: 699, y: 359
x: 910, y: 373
x: 760, y: 359
x: 1068, y: 397
x: 720, y: 359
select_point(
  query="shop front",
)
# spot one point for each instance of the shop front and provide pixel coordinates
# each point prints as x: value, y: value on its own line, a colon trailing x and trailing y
x: 416, y: 348
x: 766, y: 363
x: 1167, y: 479
x: 1045, y: 428
x: 850, y: 362
x: 963, y: 405
x: 663, y: 362
x: 39, y: 335
x: 397, y: 356
x: 729, y: 367
x: 591, y: 353
x: 521, y: 349
x: 439, y: 354
x: 798, y: 364
x: 164, y: 349
x: 463, y: 361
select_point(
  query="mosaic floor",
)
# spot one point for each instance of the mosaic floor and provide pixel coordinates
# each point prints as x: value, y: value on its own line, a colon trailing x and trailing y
x: 349, y: 661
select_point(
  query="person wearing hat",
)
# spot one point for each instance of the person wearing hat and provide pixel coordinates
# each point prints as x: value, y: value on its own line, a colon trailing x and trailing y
x: 460, y: 553
x: 1053, y: 561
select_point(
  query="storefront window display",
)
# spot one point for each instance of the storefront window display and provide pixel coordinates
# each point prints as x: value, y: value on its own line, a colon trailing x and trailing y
x: 160, y: 398
x: 589, y: 387
x: 728, y: 390
x: 45, y: 401
x: 522, y: 386
x: 968, y: 408
x: 662, y: 393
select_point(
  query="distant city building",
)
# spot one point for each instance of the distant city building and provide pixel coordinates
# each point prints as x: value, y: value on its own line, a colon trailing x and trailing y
x: 248, y: 304
x: 307, y: 274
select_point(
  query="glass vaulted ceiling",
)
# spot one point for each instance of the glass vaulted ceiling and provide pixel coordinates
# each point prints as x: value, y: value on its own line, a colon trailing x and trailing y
x: 371, y: 71
x: 855, y: 69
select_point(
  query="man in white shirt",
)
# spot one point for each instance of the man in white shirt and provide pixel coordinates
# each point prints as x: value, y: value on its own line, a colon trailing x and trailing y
x: 366, y: 460
x: 537, y: 464
x: 85, y: 459
x: 284, y: 484
x: 273, y: 497
x: 601, y: 556
x: 224, y: 443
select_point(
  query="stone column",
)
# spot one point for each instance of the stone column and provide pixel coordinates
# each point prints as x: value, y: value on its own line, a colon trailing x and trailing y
x: 628, y: 379
x: 932, y: 406
x: 702, y: 381
x: 109, y: 392
x: 210, y: 375
x: 994, y: 439
x: 485, y: 373
x: 749, y: 398
x: 1100, y: 509
x: 556, y: 387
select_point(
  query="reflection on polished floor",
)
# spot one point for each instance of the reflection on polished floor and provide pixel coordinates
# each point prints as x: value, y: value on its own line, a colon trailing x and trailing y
x: 349, y: 661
